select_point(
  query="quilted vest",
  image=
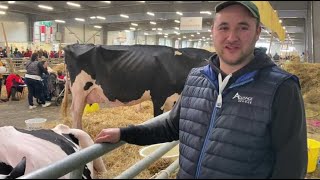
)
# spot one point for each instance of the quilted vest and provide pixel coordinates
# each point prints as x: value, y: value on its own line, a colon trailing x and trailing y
x: 233, y: 141
x: 32, y: 68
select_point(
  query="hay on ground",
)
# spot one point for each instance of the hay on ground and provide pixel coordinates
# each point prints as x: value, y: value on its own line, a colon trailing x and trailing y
x: 127, y: 155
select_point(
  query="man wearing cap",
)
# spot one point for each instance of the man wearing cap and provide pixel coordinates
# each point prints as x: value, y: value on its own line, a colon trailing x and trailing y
x: 238, y: 117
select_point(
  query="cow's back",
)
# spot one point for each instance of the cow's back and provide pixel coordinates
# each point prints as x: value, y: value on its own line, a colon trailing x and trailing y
x: 15, y: 144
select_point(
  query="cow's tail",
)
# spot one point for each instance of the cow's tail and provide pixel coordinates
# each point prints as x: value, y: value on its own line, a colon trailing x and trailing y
x: 64, y: 105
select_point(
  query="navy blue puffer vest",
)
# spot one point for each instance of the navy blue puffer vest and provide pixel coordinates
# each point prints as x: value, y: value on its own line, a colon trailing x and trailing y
x: 232, y: 141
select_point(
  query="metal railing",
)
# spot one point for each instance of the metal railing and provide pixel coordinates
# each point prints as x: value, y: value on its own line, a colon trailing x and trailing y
x: 74, y: 163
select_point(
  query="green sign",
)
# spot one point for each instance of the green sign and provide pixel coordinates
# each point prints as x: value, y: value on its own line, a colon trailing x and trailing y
x: 46, y: 23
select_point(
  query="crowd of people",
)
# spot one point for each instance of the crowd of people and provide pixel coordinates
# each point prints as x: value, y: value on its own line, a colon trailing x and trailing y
x: 28, y: 53
x: 37, y: 80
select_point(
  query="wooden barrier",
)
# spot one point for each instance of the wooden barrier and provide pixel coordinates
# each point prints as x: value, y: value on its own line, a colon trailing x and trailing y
x: 18, y: 65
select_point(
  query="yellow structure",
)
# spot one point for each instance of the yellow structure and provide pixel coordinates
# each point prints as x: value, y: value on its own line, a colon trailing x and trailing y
x: 270, y: 19
x: 91, y: 108
x: 313, y: 154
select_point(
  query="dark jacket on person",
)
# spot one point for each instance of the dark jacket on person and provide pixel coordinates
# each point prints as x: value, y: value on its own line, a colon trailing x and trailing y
x: 257, y: 131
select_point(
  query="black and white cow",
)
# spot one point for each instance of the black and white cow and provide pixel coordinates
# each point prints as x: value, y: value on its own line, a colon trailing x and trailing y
x: 23, y: 151
x: 127, y: 75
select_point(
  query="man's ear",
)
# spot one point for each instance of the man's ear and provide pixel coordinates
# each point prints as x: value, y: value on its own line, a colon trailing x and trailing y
x: 258, y: 32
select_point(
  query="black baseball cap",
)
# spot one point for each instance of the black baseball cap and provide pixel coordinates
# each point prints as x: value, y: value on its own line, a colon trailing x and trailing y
x: 247, y: 4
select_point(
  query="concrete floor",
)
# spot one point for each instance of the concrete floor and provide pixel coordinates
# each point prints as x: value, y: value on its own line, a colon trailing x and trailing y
x: 14, y: 113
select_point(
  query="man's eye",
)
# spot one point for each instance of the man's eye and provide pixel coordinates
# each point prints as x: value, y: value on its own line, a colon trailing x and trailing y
x: 223, y: 28
x: 244, y: 28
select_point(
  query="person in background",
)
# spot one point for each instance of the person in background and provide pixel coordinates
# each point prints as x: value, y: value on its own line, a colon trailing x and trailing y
x: 3, y: 53
x: 33, y: 79
x: 61, y: 81
x: 45, y: 81
x: 239, y: 117
x: 14, y: 83
x: 1, y: 76
x: 276, y: 57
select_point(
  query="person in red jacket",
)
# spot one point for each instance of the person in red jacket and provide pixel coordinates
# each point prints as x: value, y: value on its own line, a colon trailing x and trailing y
x: 14, y: 83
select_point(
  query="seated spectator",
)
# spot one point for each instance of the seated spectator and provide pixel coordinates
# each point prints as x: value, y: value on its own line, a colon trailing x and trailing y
x: 3, y: 53
x: 61, y: 81
x: 60, y: 76
x: 14, y: 83
x: 51, y: 54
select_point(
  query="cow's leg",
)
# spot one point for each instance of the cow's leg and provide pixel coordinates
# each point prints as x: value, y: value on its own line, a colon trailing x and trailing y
x: 157, y: 104
x: 77, y: 108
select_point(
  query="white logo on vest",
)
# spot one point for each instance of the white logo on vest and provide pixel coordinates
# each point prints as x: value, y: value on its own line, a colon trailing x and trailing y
x: 243, y: 99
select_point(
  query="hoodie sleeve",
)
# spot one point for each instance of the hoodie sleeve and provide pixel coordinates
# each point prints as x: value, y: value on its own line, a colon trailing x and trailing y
x: 288, y: 131
x: 154, y: 132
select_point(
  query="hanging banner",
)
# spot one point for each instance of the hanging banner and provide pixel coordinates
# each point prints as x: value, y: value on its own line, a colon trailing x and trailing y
x: 42, y: 33
x: 51, y: 34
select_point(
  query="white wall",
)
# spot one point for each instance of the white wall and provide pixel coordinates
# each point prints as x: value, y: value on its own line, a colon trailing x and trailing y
x: 15, y: 26
x: 72, y: 33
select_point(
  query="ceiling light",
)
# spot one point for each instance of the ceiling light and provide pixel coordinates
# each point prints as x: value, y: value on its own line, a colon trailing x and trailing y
x: 126, y: 30
x: 79, y: 19
x: 177, y: 28
x: 73, y: 4
x: 179, y: 13
x: 152, y: 22
x: 108, y: 2
x: 184, y: 37
x: 284, y: 27
x: 159, y: 29
x: 209, y: 30
x: 177, y: 21
x: 100, y: 17
x: 132, y: 28
x: 124, y: 16
x: 3, y: 7
x: 165, y: 36
x: 192, y: 35
x: 160, y: 33
x: 179, y: 38
x: 99, y: 27
x: 92, y: 17
x: 44, y: 7
x: 205, y: 12
x: 280, y: 21
x: 59, y: 21
x: 150, y: 13
x: 142, y: 1
x: 198, y: 33
x: 203, y: 37
x: 11, y: 2
x: 134, y: 24
x: 146, y: 34
x: 154, y: 29
x: 2, y: 12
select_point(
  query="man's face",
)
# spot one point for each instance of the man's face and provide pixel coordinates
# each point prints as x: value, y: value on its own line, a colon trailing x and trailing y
x: 234, y: 34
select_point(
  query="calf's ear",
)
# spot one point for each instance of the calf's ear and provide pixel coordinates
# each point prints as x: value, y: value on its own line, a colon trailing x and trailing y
x: 19, y: 170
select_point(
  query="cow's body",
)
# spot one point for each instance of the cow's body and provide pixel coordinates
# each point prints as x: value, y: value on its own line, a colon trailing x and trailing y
x: 43, y: 147
x: 127, y: 75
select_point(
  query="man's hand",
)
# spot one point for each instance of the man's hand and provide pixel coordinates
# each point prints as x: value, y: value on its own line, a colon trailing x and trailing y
x: 111, y: 135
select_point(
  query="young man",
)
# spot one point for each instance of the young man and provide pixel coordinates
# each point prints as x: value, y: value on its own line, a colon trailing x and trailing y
x: 238, y: 117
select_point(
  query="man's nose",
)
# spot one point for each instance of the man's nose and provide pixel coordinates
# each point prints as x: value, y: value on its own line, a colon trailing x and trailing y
x: 233, y: 36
